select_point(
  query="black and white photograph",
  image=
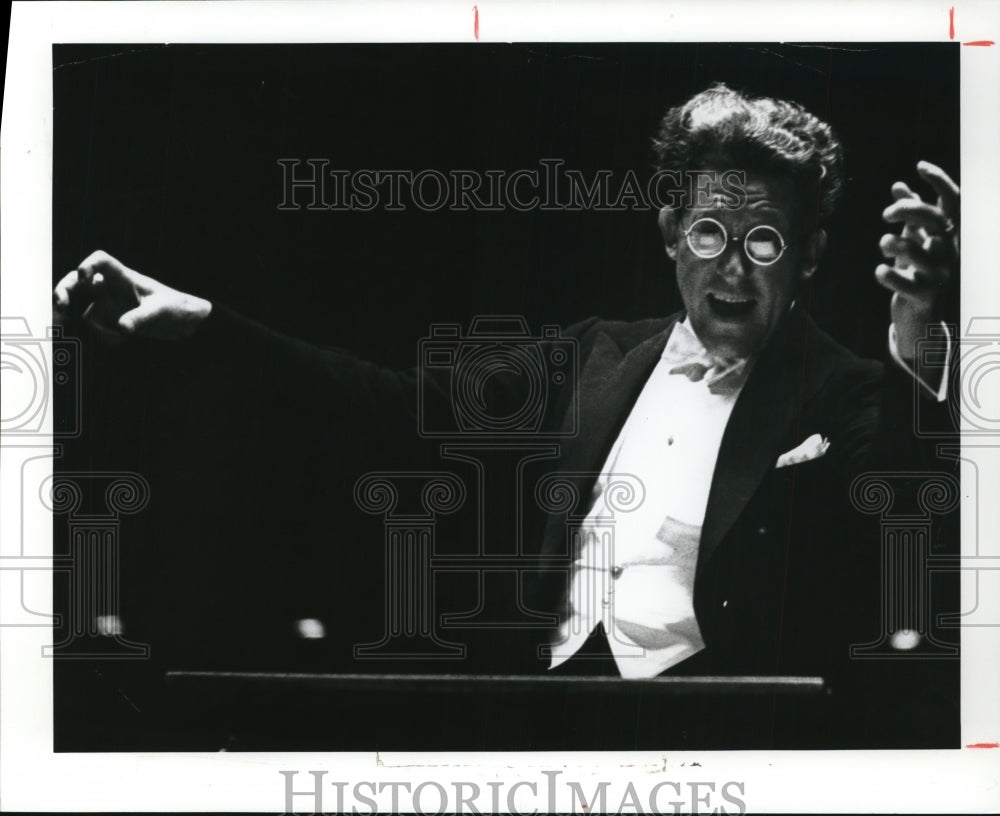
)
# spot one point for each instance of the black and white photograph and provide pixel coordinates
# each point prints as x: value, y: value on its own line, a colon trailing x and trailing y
x: 498, y: 395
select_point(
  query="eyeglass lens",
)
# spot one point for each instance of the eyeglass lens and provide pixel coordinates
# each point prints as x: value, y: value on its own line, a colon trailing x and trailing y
x: 707, y: 239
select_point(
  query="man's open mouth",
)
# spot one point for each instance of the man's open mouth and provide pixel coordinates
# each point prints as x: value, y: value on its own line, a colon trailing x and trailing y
x: 730, y: 305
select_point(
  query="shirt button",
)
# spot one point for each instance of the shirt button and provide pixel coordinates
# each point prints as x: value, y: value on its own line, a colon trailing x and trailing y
x: 725, y: 604
x: 616, y: 572
x: 670, y: 440
x: 762, y: 531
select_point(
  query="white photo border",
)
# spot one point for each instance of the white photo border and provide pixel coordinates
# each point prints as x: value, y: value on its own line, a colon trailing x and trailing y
x: 33, y: 778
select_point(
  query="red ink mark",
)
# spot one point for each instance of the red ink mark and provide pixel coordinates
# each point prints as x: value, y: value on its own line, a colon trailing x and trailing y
x: 475, y: 22
x: 984, y: 745
x: 979, y: 42
x: 951, y: 23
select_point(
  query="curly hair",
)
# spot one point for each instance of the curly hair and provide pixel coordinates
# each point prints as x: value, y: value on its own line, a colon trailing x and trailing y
x: 722, y: 128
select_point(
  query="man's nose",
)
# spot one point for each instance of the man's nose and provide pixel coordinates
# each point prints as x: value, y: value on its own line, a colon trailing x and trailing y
x: 735, y: 263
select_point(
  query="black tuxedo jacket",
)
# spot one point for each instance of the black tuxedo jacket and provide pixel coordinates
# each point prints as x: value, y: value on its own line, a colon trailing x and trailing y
x: 786, y: 576
x: 788, y: 572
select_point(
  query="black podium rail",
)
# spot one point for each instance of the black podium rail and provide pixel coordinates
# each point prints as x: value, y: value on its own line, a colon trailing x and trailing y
x: 280, y: 710
x: 476, y: 684
x: 201, y: 709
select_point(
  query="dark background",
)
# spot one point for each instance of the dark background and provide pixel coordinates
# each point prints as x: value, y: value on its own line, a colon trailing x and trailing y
x: 166, y: 157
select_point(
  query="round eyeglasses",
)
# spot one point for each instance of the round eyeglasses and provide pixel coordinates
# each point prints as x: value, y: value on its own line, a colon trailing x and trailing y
x: 763, y: 245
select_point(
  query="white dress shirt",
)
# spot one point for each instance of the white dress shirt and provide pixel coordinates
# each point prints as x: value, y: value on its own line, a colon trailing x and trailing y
x: 635, y: 571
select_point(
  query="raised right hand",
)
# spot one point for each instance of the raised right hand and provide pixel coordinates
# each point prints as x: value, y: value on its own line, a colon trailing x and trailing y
x: 116, y: 301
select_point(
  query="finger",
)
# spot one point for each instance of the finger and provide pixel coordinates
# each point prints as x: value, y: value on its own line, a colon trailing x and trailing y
x: 928, y: 257
x: 901, y: 281
x: 71, y: 298
x: 917, y: 234
x: 135, y: 319
x: 63, y: 292
x: 943, y: 186
x: 100, y: 262
x: 917, y: 213
x: 87, y: 268
x: 901, y: 190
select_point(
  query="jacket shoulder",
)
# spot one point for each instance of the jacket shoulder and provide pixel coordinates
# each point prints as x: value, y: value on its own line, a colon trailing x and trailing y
x: 626, y: 334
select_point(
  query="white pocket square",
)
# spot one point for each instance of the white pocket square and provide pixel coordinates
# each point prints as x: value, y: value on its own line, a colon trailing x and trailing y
x: 813, y: 448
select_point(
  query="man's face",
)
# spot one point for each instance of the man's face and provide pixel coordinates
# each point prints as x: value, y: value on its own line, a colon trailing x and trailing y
x: 734, y: 304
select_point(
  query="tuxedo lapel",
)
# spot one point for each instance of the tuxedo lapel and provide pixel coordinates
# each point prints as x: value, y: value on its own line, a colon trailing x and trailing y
x: 609, y: 386
x: 764, y: 416
x: 610, y: 383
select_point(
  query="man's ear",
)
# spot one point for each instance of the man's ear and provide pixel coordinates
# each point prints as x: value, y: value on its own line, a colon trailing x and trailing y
x: 669, y: 222
x: 814, y: 250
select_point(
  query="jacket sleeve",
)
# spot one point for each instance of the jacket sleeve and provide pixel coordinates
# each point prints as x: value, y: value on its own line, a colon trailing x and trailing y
x: 372, y: 413
x: 366, y: 410
x: 886, y: 419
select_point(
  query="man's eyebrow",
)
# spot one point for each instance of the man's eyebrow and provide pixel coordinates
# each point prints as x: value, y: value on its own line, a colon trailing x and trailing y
x: 764, y: 203
x: 754, y: 205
